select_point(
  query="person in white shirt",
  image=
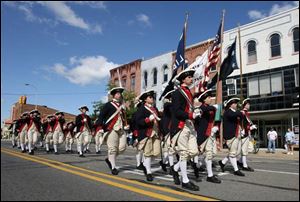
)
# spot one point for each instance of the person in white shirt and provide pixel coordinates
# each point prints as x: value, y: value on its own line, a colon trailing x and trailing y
x: 272, y: 136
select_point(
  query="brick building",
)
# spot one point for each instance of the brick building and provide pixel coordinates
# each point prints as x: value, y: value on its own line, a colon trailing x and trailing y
x: 130, y: 76
x: 19, y: 108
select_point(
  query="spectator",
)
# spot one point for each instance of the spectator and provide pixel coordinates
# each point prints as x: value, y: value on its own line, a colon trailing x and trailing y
x: 272, y: 136
x: 289, y: 139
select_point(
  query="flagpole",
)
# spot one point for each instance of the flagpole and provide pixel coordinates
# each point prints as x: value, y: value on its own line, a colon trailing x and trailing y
x: 219, y: 91
x: 241, y: 64
x: 219, y: 83
x: 185, y: 24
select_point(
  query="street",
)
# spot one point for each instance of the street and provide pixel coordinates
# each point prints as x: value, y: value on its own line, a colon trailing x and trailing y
x: 68, y: 177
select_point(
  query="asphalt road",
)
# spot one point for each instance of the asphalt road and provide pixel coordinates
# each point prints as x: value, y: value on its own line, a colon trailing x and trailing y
x: 68, y: 177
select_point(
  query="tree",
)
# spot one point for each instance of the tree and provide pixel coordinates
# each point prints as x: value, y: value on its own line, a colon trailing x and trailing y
x: 129, y: 96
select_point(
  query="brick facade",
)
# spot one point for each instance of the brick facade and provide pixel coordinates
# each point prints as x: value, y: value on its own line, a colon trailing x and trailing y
x: 18, y: 109
x: 130, y: 75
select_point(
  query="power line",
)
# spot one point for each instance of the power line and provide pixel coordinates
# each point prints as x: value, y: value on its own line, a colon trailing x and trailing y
x: 80, y: 93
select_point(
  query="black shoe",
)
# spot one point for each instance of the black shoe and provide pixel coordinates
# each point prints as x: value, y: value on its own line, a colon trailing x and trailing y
x: 201, y: 169
x: 108, y: 163
x: 71, y: 151
x: 47, y: 152
x: 56, y: 153
x: 190, y: 186
x: 238, y: 173
x: 31, y: 153
x: 171, y: 170
x: 222, y: 166
x: 196, y: 170
x: 78, y: 153
x: 98, y: 152
x: 67, y: 151
x: 163, y: 166
x: 240, y: 164
x: 81, y: 155
x: 23, y: 151
x: 140, y: 167
x: 149, y: 177
x: 114, y: 171
x: 19, y: 147
x: 13, y: 146
x: 213, y: 179
x: 175, y: 177
x: 248, y: 169
x: 87, y: 151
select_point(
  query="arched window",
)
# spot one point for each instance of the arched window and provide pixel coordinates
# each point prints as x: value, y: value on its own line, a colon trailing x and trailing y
x: 296, y: 39
x: 275, y: 45
x: 145, y: 79
x: 251, y: 48
x: 165, y: 73
x: 132, y: 82
x: 155, y: 76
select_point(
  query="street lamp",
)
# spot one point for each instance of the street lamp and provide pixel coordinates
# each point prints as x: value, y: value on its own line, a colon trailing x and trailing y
x: 35, y: 95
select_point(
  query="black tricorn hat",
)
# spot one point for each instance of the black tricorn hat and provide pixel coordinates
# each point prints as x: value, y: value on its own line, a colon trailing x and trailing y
x: 57, y: 113
x: 115, y: 90
x: 245, y: 101
x: 204, y: 95
x: 144, y: 95
x: 231, y: 100
x: 185, y: 73
x: 84, y: 107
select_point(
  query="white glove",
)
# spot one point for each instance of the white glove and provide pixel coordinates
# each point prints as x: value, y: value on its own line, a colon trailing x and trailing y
x: 84, y: 119
x: 101, y: 131
x: 126, y: 127
x: 216, y: 106
x: 195, y: 115
x: 151, y: 117
x: 215, y: 129
x: 253, y: 127
x: 242, y: 133
x: 197, y: 110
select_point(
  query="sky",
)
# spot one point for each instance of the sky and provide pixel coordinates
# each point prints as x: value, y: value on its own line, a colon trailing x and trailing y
x: 64, y: 50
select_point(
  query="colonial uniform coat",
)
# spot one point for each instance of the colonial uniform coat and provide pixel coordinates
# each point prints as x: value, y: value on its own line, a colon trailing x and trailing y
x: 182, y: 127
x: 246, y: 137
x: 148, y: 131
x: 48, y: 131
x: 58, y: 135
x: 84, y: 126
x: 33, y: 131
x: 22, y: 129
x: 165, y: 126
x: 114, y: 136
x: 231, y: 130
x: 205, y: 139
x: 69, y: 135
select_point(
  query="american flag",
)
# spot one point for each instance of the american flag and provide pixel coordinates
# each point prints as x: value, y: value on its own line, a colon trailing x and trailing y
x: 213, y: 59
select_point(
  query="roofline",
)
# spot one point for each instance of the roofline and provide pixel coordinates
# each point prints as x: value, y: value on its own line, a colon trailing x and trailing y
x: 261, y: 20
x: 137, y: 60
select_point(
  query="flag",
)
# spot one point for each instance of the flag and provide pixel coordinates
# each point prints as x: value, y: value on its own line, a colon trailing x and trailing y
x: 228, y: 65
x: 179, y: 61
x: 213, y: 58
x: 199, y: 66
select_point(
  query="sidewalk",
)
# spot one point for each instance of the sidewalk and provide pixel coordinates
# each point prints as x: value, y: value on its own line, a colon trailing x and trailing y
x: 279, y: 154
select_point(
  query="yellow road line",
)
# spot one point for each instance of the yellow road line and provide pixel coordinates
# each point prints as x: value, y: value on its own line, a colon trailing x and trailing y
x: 115, y: 184
x: 185, y: 194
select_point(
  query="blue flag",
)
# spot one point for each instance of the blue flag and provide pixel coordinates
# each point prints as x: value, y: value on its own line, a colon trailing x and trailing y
x: 179, y: 61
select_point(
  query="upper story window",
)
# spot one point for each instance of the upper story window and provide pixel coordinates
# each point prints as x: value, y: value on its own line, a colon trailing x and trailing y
x: 145, y: 79
x: 296, y: 39
x: 132, y: 82
x: 251, y: 49
x: 165, y: 73
x: 154, y: 76
x: 275, y: 45
x: 124, y: 82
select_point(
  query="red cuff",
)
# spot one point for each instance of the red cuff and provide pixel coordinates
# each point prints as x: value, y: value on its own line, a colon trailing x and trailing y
x: 147, y: 120
x: 135, y: 133
x: 191, y: 116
